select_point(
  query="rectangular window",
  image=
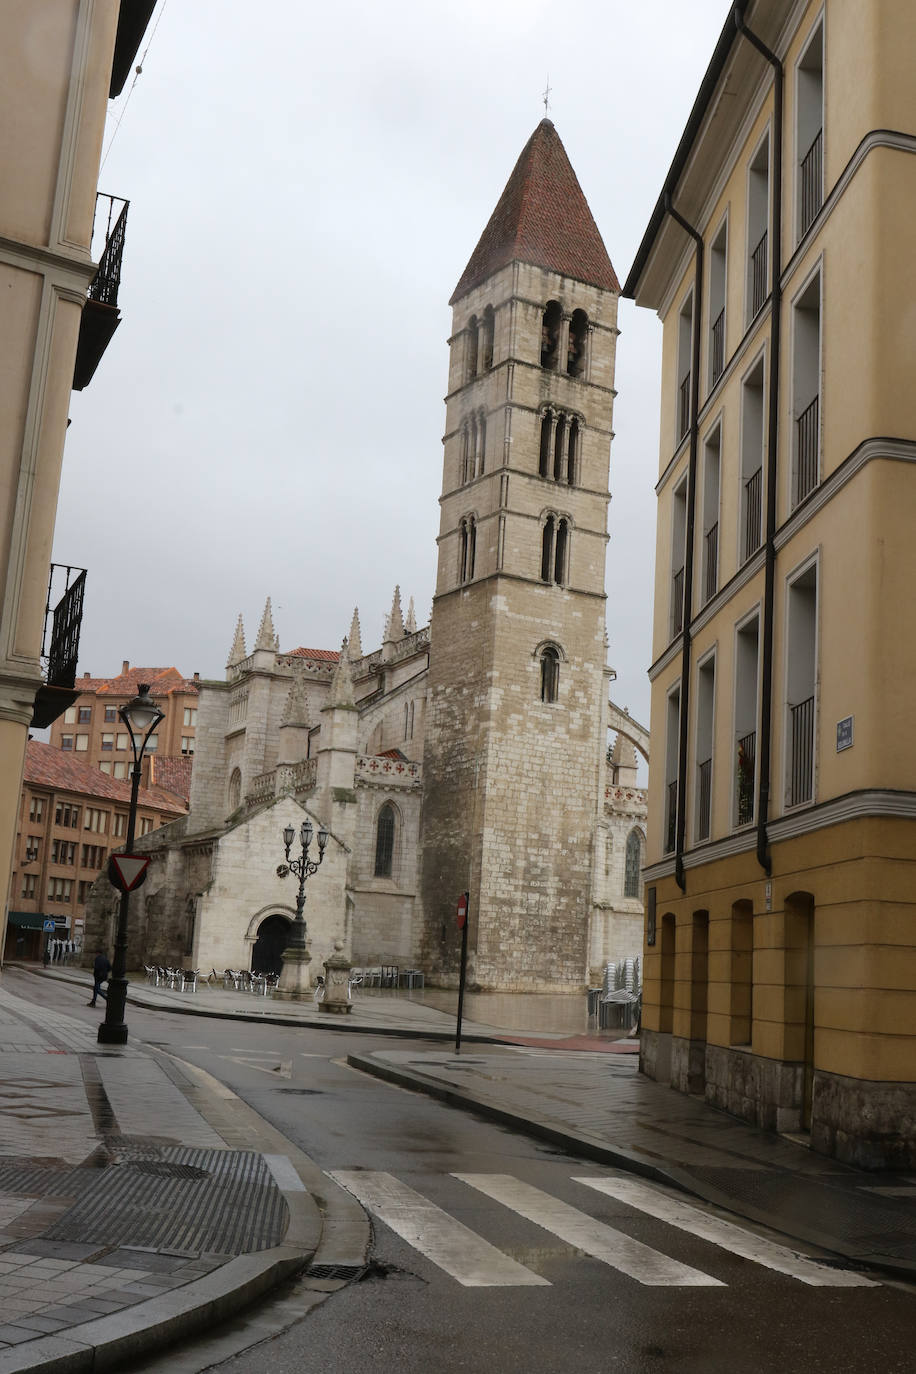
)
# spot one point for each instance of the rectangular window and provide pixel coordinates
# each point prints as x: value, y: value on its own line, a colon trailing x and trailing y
x: 809, y: 131
x: 63, y: 852
x: 711, y: 461
x: 60, y: 889
x: 717, y: 280
x: 190, y: 715
x: 95, y: 820
x: 66, y: 814
x: 146, y: 824
x: 120, y: 769
x: 801, y: 658
x: 684, y: 359
x: 752, y: 421
x: 806, y: 378
x: 758, y: 219
x: 152, y: 744
x: 187, y: 744
x: 32, y: 848
x: 36, y: 808
x: 678, y: 547
x: 119, y: 824
x: 70, y: 715
x: 107, y: 741
x: 82, y: 744
x: 111, y: 714
x: 93, y: 855
x: 29, y: 884
x: 122, y: 741
x: 105, y: 767
x: 672, y: 753
x: 84, y: 715
x: 706, y: 697
x: 746, y: 660
x: 66, y: 741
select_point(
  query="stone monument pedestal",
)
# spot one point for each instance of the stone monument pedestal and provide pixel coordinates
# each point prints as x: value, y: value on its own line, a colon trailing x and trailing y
x: 337, y: 982
x: 295, y: 983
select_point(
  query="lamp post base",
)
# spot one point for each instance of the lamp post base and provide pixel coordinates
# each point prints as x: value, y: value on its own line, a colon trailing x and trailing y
x: 112, y: 1035
x: 295, y: 984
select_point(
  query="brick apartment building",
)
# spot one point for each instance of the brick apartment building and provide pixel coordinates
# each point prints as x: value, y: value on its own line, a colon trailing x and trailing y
x: 71, y: 816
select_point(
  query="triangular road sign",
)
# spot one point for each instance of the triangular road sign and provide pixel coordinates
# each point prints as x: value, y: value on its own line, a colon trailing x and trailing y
x: 127, y: 871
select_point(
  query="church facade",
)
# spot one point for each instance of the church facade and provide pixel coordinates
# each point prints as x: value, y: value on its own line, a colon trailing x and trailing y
x: 469, y: 755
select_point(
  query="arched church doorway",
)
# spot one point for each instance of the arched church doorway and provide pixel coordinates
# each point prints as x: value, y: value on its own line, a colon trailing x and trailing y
x: 273, y: 937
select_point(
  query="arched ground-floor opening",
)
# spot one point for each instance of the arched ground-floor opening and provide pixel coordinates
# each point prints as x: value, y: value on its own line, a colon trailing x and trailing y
x: 272, y: 939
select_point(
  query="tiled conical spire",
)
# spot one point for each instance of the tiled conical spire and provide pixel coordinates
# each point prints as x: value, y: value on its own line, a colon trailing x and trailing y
x: 238, y: 650
x: 394, y: 627
x: 356, y: 643
x: 411, y: 625
x: 341, y: 690
x: 267, y: 635
x: 541, y: 218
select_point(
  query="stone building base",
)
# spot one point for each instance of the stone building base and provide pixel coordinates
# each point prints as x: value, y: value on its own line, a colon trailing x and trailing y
x: 870, y: 1125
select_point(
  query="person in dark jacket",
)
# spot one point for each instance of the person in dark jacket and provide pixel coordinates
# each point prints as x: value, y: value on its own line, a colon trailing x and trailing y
x: 100, y: 971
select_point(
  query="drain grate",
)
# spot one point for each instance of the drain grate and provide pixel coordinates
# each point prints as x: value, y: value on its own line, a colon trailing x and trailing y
x: 335, y: 1271
x: 146, y: 1166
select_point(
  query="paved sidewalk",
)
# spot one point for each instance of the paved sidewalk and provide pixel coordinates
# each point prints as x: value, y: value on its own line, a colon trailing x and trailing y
x: 600, y: 1107
x: 136, y: 1204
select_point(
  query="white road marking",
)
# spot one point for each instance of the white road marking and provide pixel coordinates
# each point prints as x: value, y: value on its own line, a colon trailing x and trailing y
x: 268, y: 1064
x: 725, y: 1234
x: 602, y: 1242
x: 447, y: 1242
x: 285, y: 1175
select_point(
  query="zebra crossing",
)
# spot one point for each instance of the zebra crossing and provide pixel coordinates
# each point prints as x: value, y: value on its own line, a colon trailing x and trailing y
x: 474, y: 1263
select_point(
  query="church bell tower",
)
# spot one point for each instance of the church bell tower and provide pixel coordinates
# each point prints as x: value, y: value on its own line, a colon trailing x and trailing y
x: 515, y: 735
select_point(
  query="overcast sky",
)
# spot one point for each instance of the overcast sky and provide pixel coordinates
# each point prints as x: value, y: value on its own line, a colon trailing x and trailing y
x: 307, y: 183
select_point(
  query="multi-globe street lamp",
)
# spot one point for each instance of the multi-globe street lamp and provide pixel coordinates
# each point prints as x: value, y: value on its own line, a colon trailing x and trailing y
x: 296, y: 956
x: 141, y: 716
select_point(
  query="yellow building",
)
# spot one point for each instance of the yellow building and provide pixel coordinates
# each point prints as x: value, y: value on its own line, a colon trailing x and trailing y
x: 780, y: 969
x: 60, y: 60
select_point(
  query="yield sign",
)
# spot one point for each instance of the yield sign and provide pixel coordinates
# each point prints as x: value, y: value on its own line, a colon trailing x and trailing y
x: 127, y: 871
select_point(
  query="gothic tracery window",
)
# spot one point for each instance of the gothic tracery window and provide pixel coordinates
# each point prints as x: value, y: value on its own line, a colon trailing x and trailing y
x: 384, y: 841
x: 632, y: 864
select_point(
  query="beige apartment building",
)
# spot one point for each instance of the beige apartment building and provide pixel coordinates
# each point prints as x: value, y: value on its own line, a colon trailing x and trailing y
x: 60, y: 61
x: 71, y: 817
x: 780, y: 971
x: 93, y: 731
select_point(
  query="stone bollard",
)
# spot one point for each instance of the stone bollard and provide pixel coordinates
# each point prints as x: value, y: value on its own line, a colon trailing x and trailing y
x: 337, y: 982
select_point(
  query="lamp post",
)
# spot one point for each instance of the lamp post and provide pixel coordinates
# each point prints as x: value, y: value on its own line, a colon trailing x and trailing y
x: 294, y: 980
x: 141, y: 716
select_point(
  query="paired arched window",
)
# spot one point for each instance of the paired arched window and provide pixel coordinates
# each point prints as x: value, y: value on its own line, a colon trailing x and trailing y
x: 550, y: 673
x: 235, y: 788
x: 384, y: 841
x: 632, y: 864
x: 558, y: 457
x: 467, y: 548
x: 578, y: 341
x: 481, y: 334
x: 474, y: 447
x: 472, y: 348
x: 564, y: 340
x: 550, y: 335
x: 555, y: 550
x: 488, y: 332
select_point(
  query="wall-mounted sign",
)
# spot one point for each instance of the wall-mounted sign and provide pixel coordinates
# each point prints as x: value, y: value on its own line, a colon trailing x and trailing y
x: 844, y: 733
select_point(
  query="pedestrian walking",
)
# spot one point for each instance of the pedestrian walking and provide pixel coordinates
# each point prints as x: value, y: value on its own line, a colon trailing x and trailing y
x: 100, y: 971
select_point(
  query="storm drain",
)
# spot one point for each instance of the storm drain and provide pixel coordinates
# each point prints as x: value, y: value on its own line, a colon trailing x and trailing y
x: 344, y: 1272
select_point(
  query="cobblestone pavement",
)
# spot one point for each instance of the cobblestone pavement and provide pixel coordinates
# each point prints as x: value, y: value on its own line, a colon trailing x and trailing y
x: 600, y: 1106
x: 115, y: 1191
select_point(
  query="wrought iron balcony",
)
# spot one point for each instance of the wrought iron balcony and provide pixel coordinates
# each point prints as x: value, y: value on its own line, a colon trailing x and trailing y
x: 711, y: 581
x: 806, y: 452
x: 677, y: 602
x: 752, y: 512
x: 60, y: 644
x: 683, y: 408
x: 718, y: 346
x: 704, y: 797
x: 759, y: 276
x: 801, y: 778
x: 745, y: 764
x: 812, y: 181
x: 671, y: 818
x: 101, y: 315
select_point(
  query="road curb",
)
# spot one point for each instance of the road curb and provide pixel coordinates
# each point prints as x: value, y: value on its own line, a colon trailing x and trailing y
x: 602, y: 1152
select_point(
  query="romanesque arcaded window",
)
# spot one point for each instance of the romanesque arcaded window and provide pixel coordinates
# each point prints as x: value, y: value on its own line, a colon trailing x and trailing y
x: 558, y: 452
x: 555, y: 550
x: 547, y: 538
x: 488, y: 331
x: 550, y: 673
x: 572, y: 453
x: 561, y: 554
x: 384, y: 841
x: 471, y: 370
x: 481, y: 444
x: 632, y: 864
x: 546, y: 431
x: 578, y: 339
x: 550, y: 335
x: 467, y: 548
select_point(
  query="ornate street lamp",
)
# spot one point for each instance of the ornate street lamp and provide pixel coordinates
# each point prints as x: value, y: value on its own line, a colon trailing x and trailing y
x: 141, y: 716
x: 294, y: 981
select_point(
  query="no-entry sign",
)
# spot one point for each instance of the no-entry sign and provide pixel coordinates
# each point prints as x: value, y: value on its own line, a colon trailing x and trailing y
x: 462, y: 911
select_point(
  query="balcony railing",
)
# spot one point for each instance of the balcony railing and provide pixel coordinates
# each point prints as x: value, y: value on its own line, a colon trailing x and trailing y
x: 806, y: 451
x: 671, y: 818
x: 718, y: 346
x: 704, y: 795
x: 752, y: 512
x: 812, y: 180
x: 759, y: 276
x: 683, y: 408
x: 101, y: 316
x: 677, y: 602
x: 60, y: 642
x: 711, y: 580
x: 801, y: 778
x: 745, y: 762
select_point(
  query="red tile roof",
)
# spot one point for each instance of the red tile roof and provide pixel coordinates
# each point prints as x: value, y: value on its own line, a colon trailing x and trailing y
x: 173, y: 772
x: 542, y: 218
x: 46, y: 766
x: 392, y: 754
x: 322, y: 655
x: 162, y: 682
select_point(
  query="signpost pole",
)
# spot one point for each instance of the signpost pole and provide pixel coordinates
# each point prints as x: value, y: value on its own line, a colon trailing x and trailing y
x: 463, y: 902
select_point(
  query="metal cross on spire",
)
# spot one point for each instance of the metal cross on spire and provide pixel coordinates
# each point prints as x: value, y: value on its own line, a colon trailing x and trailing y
x: 546, y: 96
